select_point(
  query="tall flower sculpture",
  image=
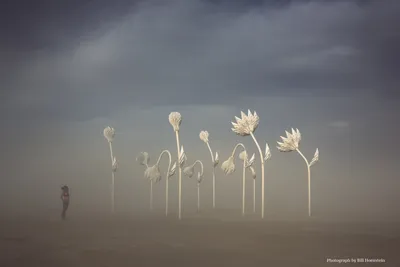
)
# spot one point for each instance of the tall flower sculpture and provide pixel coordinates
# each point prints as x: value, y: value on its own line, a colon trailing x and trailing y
x: 228, y: 167
x: 175, y: 119
x: 204, y: 137
x: 246, y: 125
x: 109, y: 134
x: 189, y: 171
x: 291, y: 143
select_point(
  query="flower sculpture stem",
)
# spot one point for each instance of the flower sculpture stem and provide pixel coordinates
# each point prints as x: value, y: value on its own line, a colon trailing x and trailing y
x: 151, y: 195
x: 198, y: 197
x: 213, y: 173
x: 167, y: 176
x: 262, y: 174
x: 254, y: 196
x: 109, y: 134
x: 179, y: 178
x: 308, y: 180
x: 112, y: 179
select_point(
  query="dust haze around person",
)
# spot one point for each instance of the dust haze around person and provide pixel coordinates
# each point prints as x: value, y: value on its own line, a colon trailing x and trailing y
x: 71, y: 68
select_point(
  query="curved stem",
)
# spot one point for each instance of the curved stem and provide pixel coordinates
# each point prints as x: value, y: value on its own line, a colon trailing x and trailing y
x: 308, y: 179
x: 201, y: 164
x: 262, y: 174
x: 212, y: 158
x: 167, y: 177
x: 179, y: 178
x: 112, y: 179
x: 237, y: 145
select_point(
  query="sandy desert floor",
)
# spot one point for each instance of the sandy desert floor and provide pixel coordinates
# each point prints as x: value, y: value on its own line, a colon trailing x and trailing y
x: 196, y: 240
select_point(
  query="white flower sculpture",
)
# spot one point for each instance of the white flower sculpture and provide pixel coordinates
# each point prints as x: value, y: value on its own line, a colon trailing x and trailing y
x: 189, y: 171
x: 246, y: 125
x: 228, y: 167
x: 153, y: 173
x: 291, y: 143
x: 175, y: 119
x: 109, y: 134
x: 204, y: 137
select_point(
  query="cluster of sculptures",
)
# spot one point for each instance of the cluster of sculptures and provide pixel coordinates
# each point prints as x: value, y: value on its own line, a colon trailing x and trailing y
x: 246, y: 125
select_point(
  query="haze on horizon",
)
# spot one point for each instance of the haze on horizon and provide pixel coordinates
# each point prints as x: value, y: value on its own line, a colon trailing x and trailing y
x: 329, y: 68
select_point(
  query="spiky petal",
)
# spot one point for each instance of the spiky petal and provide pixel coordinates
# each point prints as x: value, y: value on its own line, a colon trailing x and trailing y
x: 315, y: 158
x: 182, y: 158
x: 172, y: 171
x: 267, y: 155
x: 114, y: 165
x: 216, y: 159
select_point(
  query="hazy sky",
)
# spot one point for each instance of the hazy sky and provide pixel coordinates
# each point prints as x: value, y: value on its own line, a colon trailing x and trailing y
x: 69, y: 68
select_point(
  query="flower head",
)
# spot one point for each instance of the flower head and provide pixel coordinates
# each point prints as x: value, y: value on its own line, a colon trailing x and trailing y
x: 143, y: 158
x: 243, y: 155
x: 228, y: 166
x: 204, y: 136
x: 189, y: 170
x: 290, y: 142
x: 114, y: 165
x: 153, y: 173
x: 109, y: 133
x: 247, y: 124
x: 175, y: 119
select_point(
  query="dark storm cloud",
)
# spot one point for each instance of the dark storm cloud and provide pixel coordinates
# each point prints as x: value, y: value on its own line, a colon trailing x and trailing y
x: 82, y: 59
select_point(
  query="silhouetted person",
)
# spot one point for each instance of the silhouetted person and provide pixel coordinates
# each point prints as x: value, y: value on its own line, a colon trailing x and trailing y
x: 65, y: 200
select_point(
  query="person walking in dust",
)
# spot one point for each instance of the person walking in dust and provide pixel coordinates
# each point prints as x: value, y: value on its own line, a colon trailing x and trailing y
x: 65, y: 200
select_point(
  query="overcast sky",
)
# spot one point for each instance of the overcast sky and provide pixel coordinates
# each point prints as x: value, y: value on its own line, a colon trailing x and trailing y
x: 330, y: 68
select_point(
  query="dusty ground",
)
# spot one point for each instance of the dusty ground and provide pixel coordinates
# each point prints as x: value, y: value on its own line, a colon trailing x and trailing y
x: 202, y: 240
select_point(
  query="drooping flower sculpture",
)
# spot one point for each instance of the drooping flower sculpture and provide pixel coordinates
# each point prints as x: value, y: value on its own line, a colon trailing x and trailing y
x: 153, y: 173
x: 246, y: 125
x: 109, y: 134
x: 215, y: 160
x: 291, y: 143
x: 189, y: 171
x: 228, y: 167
